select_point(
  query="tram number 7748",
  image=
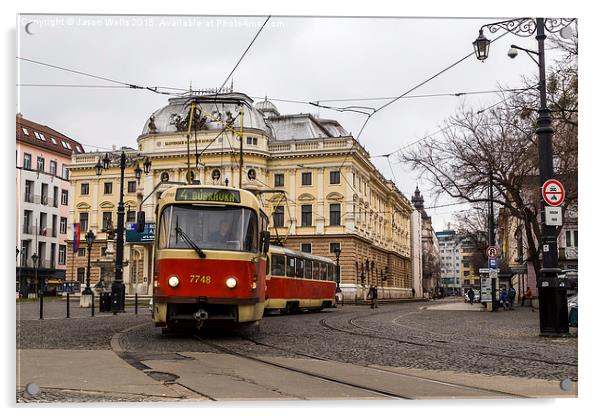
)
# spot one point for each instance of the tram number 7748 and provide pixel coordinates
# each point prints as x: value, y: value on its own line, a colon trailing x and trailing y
x: 196, y: 278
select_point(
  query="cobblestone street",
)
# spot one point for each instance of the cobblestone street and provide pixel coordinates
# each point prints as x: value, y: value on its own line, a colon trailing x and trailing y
x: 405, y: 335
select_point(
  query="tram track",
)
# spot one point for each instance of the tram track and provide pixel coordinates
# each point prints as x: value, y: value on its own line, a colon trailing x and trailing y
x: 439, y: 344
x: 421, y: 378
x: 382, y: 392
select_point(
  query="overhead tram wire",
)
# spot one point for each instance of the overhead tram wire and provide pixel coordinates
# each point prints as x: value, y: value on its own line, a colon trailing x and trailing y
x: 86, y: 74
x: 406, y: 93
x: 441, y: 130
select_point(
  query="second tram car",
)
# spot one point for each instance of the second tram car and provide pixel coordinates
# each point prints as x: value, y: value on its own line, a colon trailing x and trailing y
x: 298, y: 281
x: 210, y: 257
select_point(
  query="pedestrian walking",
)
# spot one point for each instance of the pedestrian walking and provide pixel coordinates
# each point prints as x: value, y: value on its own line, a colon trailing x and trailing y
x: 373, y: 296
x: 413, y: 293
x: 511, y: 296
x: 528, y: 296
x: 504, y: 298
x: 470, y: 295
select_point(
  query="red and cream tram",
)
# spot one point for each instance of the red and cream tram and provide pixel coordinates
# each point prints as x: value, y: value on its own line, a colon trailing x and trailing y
x: 210, y: 257
x: 298, y: 281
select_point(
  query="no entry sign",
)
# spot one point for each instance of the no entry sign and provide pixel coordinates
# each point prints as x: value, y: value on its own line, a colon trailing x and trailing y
x: 492, y: 252
x: 553, y: 192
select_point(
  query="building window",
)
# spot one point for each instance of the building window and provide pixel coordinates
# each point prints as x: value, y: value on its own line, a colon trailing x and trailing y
x: 41, y: 164
x: 466, y: 282
x: 335, y: 214
x: 85, y: 188
x: 131, y: 187
x: 26, y: 161
x: 334, y: 247
x: 306, y: 247
x: 62, y: 254
x: 130, y: 216
x: 29, y: 186
x: 335, y: 177
x: 108, y: 188
x: 306, y: 217
x: 107, y: 218
x: 81, y: 274
x: 53, y: 167
x: 278, y: 216
x: 279, y: 179
x: 252, y: 140
x: 306, y: 178
x: 81, y: 252
x: 63, y: 225
x: 25, y: 131
x: 65, y: 172
x: 83, y: 222
x: 575, y: 238
x: 64, y: 197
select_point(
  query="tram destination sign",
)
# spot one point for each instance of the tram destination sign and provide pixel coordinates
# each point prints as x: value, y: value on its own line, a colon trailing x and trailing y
x: 208, y: 195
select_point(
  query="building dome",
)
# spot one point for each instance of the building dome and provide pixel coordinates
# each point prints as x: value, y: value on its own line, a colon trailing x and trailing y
x: 174, y: 117
x: 267, y: 108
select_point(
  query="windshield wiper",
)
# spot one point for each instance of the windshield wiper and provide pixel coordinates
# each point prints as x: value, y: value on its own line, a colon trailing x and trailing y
x: 190, y: 242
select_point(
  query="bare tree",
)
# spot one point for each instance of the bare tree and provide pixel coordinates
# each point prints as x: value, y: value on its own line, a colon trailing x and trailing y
x: 502, y: 141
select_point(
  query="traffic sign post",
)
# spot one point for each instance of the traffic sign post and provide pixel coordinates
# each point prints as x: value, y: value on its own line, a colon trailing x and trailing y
x: 553, y: 192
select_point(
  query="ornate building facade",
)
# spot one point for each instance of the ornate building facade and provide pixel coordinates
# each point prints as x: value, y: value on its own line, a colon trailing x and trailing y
x: 315, y: 181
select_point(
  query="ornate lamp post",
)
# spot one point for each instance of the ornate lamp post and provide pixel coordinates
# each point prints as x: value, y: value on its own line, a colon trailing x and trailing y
x: 553, y: 314
x: 118, y: 288
x: 90, y: 237
x: 40, y: 283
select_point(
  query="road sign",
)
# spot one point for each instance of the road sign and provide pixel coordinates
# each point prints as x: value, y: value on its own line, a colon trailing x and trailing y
x: 553, y: 216
x: 492, y: 263
x: 492, y: 252
x: 553, y: 192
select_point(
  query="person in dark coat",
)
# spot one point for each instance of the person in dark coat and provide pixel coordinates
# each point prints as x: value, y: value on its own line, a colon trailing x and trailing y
x: 470, y: 295
x: 511, y: 296
x: 373, y: 296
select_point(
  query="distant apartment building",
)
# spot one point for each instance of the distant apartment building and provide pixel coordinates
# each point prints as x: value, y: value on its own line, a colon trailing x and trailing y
x: 430, y: 256
x: 42, y: 201
x: 450, y: 260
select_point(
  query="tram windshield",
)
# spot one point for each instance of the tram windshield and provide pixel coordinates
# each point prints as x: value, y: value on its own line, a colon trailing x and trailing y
x: 209, y: 227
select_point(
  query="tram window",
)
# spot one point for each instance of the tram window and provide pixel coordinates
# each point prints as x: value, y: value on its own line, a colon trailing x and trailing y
x: 300, y: 267
x: 267, y: 265
x: 322, y: 271
x: 290, y: 266
x: 331, y: 272
x: 316, y: 271
x: 278, y: 265
x: 308, y: 269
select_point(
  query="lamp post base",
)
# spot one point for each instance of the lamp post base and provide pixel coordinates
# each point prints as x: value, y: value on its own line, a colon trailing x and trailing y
x: 85, y: 301
x: 117, y: 297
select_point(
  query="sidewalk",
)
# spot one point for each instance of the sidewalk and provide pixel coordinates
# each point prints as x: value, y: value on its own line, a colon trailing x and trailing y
x: 455, y: 306
x: 91, y: 371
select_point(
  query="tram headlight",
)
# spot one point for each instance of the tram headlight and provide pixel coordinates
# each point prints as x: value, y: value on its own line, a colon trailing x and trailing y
x: 231, y: 282
x: 173, y: 281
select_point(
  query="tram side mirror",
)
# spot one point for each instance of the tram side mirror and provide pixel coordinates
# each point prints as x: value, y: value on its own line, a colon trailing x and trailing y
x: 140, y: 222
x: 265, y: 241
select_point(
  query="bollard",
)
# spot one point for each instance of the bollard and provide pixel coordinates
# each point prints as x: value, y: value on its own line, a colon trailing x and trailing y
x: 68, y: 305
x: 92, y: 304
x: 136, y: 303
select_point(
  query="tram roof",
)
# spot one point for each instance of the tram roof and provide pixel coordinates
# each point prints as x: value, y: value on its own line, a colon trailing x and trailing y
x: 247, y: 198
x: 289, y: 252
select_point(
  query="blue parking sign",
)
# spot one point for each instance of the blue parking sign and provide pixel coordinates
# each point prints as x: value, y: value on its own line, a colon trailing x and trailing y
x: 492, y: 263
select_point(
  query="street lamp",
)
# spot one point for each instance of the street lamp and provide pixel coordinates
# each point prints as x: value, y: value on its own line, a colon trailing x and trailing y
x: 90, y: 237
x: 553, y: 314
x: 118, y: 288
x: 337, y: 253
x: 40, y: 283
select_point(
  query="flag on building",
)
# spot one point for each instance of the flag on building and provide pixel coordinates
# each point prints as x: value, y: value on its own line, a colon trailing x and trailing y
x: 44, y: 231
x: 76, y: 236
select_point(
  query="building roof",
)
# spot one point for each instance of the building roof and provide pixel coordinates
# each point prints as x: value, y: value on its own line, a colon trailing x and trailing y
x: 39, y: 135
x: 304, y: 126
x: 175, y: 115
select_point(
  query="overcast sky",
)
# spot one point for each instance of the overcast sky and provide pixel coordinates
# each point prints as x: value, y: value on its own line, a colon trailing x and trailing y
x: 308, y: 59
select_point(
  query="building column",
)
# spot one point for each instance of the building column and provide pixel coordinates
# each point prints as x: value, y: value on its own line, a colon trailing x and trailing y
x: 292, y: 200
x: 320, y: 217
